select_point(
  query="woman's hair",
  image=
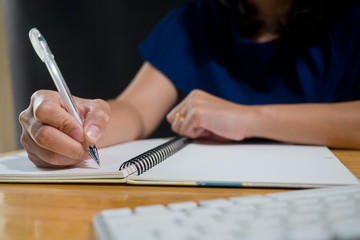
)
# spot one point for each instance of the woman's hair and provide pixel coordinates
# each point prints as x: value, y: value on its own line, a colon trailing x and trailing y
x: 308, y: 20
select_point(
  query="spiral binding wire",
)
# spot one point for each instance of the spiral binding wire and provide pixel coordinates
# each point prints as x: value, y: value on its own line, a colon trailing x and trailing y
x: 154, y: 156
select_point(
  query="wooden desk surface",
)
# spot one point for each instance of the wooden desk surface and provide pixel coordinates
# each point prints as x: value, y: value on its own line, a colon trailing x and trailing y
x: 65, y: 211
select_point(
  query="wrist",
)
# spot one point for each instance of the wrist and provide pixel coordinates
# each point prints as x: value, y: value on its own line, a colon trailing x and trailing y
x: 258, y: 119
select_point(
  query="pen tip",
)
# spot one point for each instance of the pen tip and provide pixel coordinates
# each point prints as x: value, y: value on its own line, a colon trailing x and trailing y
x: 93, y: 152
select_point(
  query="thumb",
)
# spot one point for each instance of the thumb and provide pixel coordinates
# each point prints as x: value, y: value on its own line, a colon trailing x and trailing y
x: 97, y: 115
x: 93, y: 133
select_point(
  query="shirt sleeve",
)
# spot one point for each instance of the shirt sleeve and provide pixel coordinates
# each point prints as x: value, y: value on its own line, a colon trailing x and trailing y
x: 177, y: 45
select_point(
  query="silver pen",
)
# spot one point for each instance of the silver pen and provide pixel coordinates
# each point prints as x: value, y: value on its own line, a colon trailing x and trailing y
x: 43, y: 51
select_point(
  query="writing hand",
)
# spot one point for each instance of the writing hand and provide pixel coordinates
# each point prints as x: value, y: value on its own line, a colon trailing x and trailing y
x: 54, y: 138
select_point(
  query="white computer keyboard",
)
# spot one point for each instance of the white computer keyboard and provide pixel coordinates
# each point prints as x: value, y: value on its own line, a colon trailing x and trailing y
x: 326, y: 213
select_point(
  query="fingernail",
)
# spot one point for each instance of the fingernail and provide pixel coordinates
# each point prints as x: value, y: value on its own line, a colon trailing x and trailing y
x: 93, y: 132
x: 168, y: 116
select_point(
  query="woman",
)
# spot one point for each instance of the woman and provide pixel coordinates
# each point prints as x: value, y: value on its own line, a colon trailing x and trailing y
x: 286, y: 70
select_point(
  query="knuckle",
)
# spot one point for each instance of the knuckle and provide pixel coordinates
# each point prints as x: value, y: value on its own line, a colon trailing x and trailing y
x: 103, y: 109
x: 23, y: 116
x: 36, y: 94
x: 196, y: 93
x: 103, y: 116
x: 43, y: 110
x: 42, y: 136
x: 24, y: 139
x: 195, y: 112
x: 66, y: 125
x: 46, y: 110
x: 195, y: 99
x: 101, y: 102
x: 199, y: 102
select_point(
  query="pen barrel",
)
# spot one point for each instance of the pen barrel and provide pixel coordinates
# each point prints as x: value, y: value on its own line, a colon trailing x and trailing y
x: 69, y: 102
x: 42, y: 49
x: 63, y: 89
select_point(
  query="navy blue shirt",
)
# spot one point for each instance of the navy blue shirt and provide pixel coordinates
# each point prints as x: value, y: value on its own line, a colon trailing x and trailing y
x: 198, y: 47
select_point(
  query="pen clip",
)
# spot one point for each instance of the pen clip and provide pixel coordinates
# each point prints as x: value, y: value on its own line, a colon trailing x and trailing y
x: 40, y: 45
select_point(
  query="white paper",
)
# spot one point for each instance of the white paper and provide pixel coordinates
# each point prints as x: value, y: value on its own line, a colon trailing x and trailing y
x: 253, y: 164
x: 20, y: 167
x: 203, y: 162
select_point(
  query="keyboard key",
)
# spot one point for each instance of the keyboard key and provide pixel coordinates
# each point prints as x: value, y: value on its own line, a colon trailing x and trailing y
x: 348, y: 229
x: 255, y: 199
x: 216, y: 203
x: 321, y: 214
x: 120, y: 212
x: 182, y: 205
x: 151, y: 209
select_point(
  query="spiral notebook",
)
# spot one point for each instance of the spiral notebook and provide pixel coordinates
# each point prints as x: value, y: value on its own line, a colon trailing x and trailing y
x: 181, y: 161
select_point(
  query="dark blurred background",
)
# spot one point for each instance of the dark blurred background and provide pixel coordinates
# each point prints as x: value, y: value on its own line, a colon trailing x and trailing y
x: 94, y: 43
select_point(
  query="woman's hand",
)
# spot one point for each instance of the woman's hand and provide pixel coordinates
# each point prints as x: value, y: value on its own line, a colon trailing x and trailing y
x: 54, y: 138
x: 331, y: 124
x: 201, y: 115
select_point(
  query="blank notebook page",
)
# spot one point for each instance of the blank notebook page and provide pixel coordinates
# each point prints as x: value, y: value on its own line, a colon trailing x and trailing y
x: 257, y: 163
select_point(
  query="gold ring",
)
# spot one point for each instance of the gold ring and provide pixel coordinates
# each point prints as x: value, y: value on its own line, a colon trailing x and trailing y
x: 180, y: 117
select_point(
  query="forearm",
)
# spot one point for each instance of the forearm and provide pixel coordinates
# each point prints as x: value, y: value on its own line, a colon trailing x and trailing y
x: 137, y: 111
x: 125, y: 124
x: 334, y: 125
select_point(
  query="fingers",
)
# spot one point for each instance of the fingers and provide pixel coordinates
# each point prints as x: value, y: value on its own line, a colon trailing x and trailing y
x: 180, y: 117
x: 38, y: 136
x: 178, y: 121
x: 42, y: 157
x: 193, y: 126
x: 46, y: 109
x: 52, y: 137
x: 204, y: 115
x: 177, y: 118
x: 185, y: 118
x: 173, y: 115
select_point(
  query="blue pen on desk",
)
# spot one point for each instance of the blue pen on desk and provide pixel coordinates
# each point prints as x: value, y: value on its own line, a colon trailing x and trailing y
x: 42, y: 49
